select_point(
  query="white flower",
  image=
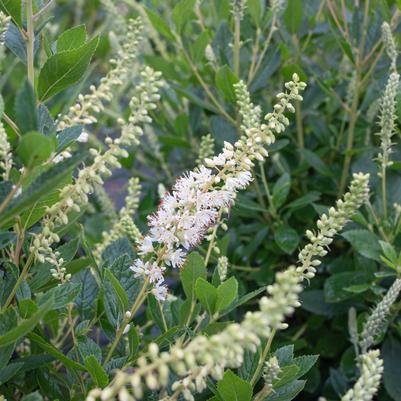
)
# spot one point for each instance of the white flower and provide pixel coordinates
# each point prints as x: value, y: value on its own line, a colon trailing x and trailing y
x: 146, y: 246
x: 83, y: 138
x: 160, y: 291
x: 176, y: 258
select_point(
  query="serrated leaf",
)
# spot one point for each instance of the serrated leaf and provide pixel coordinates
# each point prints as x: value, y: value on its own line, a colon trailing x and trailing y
x: 62, y: 294
x: 288, y: 373
x: 364, y: 242
x: 71, y: 38
x: 96, y: 371
x: 68, y: 136
x: 233, y: 388
x: 287, y: 392
x: 64, y: 69
x: 26, y: 325
x: 9, y: 372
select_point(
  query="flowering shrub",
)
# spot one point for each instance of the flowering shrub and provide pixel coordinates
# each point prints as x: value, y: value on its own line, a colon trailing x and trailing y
x: 199, y: 200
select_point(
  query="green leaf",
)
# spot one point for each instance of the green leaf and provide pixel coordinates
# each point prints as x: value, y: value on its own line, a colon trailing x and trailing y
x: 182, y: 13
x: 8, y: 320
x: 62, y: 295
x: 225, y: 80
x: 44, y: 184
x: 133, y: 341
x: 288, y: 373
x: 305, y: 363
x: 364, y: 242
x: 159, y: 24
x: 389, y: 251
x: 233, y: 388
x: 25, y: 108
x: 71, y: 38
x: 256, y: 10
x: 64, y: 69
x: 226, y: 294
x: 244, y: 299
x: 287, y: 392
x: 35, y: 148
x: 316, y: 162
x: 199, y: 46
x: 293, y: 16
x: 68, y: 136
x: 9, y: 372
x: 303, y: 201
x: 207, y: 295
x: 194, y: 267
x: 32, y: 397
x: 391, y: 352
x: 286, y: 238
x: 115, y: 298
x: 13, y: 8
x: 335, y: 287
x: 96, y: 371
x: 52, y: 350
x: 281, y: 190
x: 26, y: 325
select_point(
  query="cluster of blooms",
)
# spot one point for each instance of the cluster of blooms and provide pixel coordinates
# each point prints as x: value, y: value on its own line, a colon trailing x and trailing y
x: 371, y: 367
x: 83, y: 111
x: 124, y: 221
x: 389, y: 44
x: 374, y: 324
x: 6, y: 157
x: 250, y: 114
x: 222, y: 267
x: 73, y: 196
x: 185, y: 215
x: 238, y: 8
x: 209, y: 356
x: 329, y: 224
x: 206, y: 149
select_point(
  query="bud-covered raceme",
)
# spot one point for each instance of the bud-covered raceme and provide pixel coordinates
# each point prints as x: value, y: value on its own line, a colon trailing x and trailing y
x: 124, y: 224
x: 92, y: 103
x: 6, y: 157
x: 222, y: 267
x: 209, y: 356
x: 373, y: 326
x: 277, y: 6
x: 206, y: 149
x: 389, y: 44
x: 371, y: 368
x: 387, y: 120
x: 198, y: 197
x: 73, y: 196
x: 238, y: 8
x: 331, y: 223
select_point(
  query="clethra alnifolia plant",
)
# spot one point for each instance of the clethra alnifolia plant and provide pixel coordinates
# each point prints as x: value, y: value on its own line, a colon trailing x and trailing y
x: 199, y: 200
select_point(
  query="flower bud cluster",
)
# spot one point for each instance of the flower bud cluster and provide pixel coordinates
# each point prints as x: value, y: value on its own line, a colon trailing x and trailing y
x: 73, y: 196
x: 88, y: 105
x: 277, y: 6
x: 238, y: 8
x: 389, y: 44
x: 209, y: 356
x: 387, y: 120
x: 206, y: 149
x: 376, y: 320
x: 371, y: 367
x: 331, y: 223
x: 4, y: 23
x: 124, y: 223
x: 222, y: 267
x: 105, y: 203
x: 271, y: 372
x: 185, y: 215
x: 6, y: 157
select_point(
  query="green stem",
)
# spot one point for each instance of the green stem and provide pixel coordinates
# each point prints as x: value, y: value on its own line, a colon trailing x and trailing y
x: 237, y: 45
x: 138, y: 302
x: 263, y: 357
x: 384, y: 191
x: 30, y: 42
x: 21, y: 277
